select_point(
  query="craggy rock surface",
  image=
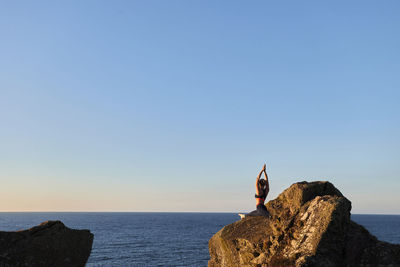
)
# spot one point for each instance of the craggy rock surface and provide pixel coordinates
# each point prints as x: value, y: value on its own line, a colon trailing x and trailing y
x: 309, y: 226
x: 48, y: 244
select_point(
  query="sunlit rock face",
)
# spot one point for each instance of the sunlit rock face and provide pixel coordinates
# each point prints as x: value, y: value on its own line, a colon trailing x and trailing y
x: 309, y: 226
x: 48, y: 244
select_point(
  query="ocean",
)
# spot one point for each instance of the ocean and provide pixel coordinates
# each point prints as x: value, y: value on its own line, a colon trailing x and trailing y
x: 161, y: 239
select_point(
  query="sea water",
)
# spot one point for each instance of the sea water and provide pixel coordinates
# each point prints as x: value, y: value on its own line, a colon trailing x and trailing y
x: 162, y: 239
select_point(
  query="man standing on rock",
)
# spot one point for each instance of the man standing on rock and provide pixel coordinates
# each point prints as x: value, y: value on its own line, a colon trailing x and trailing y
x: 262, y: 190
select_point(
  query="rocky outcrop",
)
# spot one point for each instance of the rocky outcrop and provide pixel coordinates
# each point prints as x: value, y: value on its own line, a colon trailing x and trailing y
x: 309, y: 226
x: 48, y: 244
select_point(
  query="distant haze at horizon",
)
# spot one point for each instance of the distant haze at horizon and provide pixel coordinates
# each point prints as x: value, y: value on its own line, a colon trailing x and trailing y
x: 175, y: 106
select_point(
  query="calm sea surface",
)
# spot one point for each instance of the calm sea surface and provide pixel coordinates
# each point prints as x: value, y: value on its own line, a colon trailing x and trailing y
x: 162, y: 239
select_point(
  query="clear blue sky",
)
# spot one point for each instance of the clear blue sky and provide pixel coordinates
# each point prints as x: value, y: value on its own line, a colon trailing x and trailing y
x: 175, y: 105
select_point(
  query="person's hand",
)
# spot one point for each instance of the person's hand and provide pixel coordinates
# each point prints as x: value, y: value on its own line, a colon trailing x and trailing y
x: 264, y: 167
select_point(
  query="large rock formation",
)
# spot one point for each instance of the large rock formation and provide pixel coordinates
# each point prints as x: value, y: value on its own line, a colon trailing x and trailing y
x: 309, y: 226
x: 48, y: 244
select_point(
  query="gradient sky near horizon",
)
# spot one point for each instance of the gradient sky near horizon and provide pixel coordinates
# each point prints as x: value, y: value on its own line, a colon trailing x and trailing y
x: 176, y: 105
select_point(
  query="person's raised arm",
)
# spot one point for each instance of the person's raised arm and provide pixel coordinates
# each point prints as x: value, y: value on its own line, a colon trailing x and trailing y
x: 266, y: 180
x: 258, y: 179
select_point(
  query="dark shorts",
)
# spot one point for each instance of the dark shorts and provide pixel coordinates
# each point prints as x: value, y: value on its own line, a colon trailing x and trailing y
x: 260, y: 211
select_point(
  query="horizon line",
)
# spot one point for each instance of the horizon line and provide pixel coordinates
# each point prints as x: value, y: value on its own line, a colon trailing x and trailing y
x: 166, y: 212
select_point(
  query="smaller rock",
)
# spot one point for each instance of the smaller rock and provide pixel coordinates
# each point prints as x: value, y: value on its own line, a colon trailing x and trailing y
x: 49, y: 244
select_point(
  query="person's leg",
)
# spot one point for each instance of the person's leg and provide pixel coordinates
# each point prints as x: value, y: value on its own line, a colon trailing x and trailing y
x: 253, y: 213
x: 262, y: 210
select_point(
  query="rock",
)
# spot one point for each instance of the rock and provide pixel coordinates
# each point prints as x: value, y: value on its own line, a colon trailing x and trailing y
x: 49, y: 244
x: 309, y: 226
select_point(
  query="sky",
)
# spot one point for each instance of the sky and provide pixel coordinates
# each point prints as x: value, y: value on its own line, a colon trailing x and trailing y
x: 176, y: 105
